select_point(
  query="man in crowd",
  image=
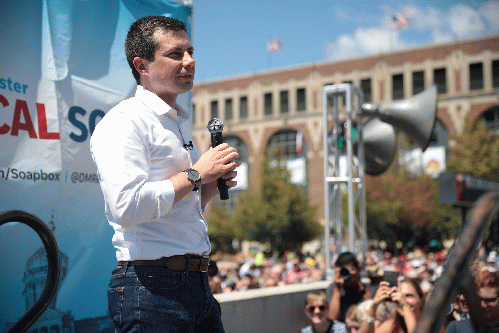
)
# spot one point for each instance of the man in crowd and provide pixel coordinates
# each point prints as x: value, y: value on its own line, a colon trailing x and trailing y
x: 316, y: 308
x: 487, y: 283
x: 348, y: 290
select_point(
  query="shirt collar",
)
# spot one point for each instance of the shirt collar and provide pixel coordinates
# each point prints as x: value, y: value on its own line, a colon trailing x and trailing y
x: 156, y: 104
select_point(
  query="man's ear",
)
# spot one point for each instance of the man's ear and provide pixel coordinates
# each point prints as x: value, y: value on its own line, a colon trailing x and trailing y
x: 141, y: 65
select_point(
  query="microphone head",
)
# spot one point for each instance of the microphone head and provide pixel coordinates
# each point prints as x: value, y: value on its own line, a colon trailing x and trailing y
x: 215, y: 126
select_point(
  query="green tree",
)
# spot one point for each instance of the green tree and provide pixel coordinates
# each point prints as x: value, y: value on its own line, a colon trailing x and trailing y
x: 402, y: 197
x: 475, y: 152
x: 221, y: 230
x: 403, y: 206
x: 406, y: 208
x: 278, y: 214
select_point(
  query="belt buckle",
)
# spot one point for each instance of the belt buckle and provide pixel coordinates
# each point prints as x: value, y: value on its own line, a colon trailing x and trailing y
x: 204, y: 264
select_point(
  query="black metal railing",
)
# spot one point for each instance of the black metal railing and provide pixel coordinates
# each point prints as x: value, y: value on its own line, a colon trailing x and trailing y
x: 53, y: 261
x: 457, y: 273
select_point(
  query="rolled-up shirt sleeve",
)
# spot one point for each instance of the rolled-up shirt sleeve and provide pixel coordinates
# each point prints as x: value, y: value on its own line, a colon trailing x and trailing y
x: 121, y: 152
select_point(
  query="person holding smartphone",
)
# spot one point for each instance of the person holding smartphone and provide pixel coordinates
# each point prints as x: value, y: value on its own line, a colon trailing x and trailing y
x: 408, y: 300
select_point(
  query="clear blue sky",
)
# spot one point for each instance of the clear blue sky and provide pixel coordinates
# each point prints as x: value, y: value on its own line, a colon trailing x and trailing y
x: 230, y: 37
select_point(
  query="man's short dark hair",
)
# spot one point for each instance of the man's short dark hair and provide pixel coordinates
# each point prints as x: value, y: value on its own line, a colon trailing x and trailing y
x: 346, y: 258
x: 140, y: 42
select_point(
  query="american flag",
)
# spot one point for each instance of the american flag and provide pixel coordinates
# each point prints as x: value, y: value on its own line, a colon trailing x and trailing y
x: 299, y: 141
x: 273, y: 45
x: 400, y: 21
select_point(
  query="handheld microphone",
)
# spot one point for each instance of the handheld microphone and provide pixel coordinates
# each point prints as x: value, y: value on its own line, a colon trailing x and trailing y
x: 189, y: 146
x: 215, y: 126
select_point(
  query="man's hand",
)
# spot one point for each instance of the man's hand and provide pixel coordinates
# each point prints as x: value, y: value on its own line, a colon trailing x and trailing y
x: 218, y: 162
x: 338, y: 280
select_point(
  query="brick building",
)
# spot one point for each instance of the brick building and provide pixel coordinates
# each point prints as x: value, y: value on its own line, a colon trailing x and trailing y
x: 266, y: 108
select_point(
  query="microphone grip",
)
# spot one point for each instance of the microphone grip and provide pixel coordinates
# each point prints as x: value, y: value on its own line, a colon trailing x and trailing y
x: 223, y: 189
x: 216, y: 139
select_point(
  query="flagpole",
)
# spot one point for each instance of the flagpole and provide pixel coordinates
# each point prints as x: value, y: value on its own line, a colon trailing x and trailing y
x: 390, y: 39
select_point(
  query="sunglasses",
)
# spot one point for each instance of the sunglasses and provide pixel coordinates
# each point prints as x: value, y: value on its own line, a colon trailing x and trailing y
x: 311, y: 309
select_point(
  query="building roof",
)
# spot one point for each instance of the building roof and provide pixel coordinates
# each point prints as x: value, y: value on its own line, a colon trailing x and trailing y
x: 327, y: 68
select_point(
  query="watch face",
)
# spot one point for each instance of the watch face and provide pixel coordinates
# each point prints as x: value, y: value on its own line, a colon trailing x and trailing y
x: 193, y: 175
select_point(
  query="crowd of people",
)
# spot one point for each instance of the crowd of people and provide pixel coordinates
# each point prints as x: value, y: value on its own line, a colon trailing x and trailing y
x: 243, y: 271
x: 361, y: 298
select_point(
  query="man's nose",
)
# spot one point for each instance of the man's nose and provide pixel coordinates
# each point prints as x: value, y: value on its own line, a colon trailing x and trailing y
x: 188, y: 60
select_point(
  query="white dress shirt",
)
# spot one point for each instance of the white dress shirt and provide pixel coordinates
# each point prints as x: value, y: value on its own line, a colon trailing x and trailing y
x: 137, y: 147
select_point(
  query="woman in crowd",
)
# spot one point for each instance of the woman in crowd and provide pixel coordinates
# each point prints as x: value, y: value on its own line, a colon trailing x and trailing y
x: 407, y: 299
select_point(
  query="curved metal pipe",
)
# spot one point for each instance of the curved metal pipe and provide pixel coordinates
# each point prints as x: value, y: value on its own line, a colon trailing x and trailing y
x: 53, y: 261
x: 457, y: 269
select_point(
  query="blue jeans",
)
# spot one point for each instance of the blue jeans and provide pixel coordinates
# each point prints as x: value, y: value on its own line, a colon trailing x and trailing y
x: 156, y: 299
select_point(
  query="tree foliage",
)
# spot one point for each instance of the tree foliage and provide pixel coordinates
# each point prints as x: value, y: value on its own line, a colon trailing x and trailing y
x: 475, y: 152
x: 221, y: 230
x: 403, y: 198
x: 407, y: 209
x: 278, y: 214
x: 403, y: 206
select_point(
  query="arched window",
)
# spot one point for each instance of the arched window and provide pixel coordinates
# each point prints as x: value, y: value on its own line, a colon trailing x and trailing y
x: 491, y: 120
x: 291, y: 147
x: 240, y: 146
x: 439, y: 136
x: 287, y: 143
x: 242, y: 173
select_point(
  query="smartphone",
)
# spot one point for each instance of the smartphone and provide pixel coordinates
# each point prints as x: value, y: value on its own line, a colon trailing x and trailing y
x: 391, y: 277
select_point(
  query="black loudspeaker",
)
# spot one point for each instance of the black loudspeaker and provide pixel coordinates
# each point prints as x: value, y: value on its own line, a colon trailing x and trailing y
x: 414, y: 116
x: 380, y: 146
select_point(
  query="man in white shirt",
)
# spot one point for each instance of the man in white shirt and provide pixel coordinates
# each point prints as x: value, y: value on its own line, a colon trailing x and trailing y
x: 155, y: 185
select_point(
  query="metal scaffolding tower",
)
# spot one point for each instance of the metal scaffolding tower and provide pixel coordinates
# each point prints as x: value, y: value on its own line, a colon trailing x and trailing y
x: 334, y: 180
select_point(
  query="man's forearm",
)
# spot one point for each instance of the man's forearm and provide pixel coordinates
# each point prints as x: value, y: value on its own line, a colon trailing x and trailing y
x: 335, y: 304
x: 208, y: 191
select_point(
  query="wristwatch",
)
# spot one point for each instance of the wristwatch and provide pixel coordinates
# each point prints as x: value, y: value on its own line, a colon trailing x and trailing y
x: 194, y: 178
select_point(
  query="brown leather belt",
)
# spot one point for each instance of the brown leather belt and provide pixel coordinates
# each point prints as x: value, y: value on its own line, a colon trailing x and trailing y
x: 175, y: 263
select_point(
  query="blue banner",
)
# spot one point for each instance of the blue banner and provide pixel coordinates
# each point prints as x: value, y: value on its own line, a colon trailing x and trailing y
x: 63, y: 68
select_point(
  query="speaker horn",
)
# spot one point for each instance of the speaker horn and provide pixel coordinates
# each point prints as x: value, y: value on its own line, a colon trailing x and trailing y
x: 380, y: 146
x: 414, y: 116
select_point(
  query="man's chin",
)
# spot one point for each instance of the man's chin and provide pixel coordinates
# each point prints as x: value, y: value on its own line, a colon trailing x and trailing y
x: 186, y: 86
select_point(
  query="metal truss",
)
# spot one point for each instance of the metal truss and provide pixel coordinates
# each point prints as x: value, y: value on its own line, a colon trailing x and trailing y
x: 334, y: 182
